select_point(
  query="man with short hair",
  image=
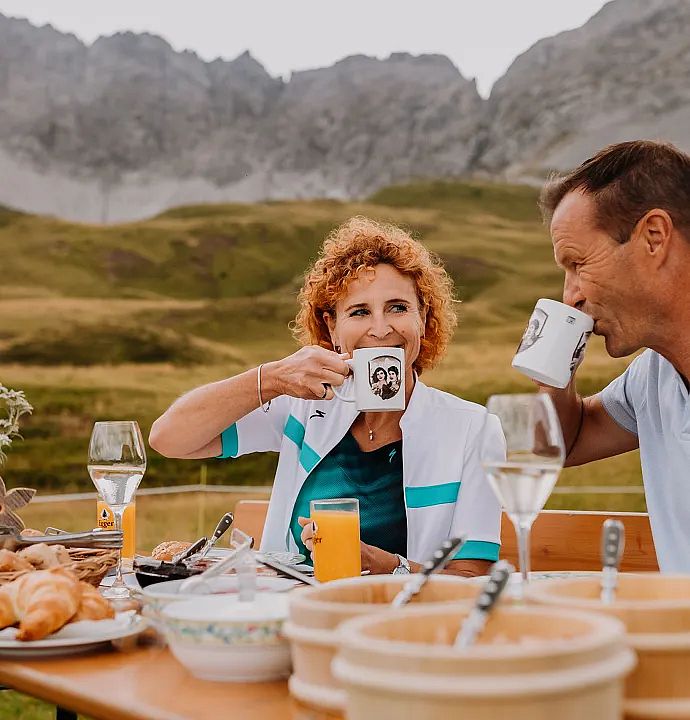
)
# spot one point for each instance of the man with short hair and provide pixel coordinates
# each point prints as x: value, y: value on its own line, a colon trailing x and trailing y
x: 620, y: 227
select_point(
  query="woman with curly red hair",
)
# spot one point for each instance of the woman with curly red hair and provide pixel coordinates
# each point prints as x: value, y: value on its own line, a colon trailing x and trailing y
x: 416, y: 472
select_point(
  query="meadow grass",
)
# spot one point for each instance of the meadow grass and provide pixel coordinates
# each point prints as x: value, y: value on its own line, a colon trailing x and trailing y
x: 212, y: 289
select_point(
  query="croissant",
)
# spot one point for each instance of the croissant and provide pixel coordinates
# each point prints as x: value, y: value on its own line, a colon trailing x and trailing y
x: 43, y: 601
x: 7, y: 616
x: 44, y: 557
x: 11, y: 562
x: 92, y: 605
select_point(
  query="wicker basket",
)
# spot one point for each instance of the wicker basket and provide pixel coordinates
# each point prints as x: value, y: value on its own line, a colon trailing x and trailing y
x: 87, y: 564
x: 92, y: 565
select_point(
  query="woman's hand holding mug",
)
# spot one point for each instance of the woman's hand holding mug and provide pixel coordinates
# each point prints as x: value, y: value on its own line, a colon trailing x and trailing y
x: 308, y: 373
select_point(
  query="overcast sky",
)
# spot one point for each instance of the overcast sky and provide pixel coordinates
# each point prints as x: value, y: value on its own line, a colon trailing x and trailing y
x: 482, y: 37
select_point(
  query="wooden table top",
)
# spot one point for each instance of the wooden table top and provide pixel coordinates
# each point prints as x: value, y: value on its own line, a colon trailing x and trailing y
x: 141, y: 684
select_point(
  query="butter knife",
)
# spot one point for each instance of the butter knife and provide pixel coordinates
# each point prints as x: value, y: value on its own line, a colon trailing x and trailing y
x: 474, y: 623
x: 612, y: 546
x: 436, y: 562
x: 221, y: 528
x: 193, y: 548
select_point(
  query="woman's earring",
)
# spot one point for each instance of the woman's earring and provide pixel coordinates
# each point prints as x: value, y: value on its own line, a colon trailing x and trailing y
x: 337, y: 348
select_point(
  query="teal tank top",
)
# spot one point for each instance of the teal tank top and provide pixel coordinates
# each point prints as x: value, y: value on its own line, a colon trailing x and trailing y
x: 375, y: 478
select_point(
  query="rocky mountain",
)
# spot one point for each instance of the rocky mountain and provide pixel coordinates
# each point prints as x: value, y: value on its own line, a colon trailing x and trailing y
x: 623, y: 75
x: 127, y: 127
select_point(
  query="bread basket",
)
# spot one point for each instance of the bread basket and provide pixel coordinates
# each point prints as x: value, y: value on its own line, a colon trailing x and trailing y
x: 89, y: 564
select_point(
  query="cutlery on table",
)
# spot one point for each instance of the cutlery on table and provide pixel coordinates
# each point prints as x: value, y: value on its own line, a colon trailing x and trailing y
x: 99, y: 539
x: 188, y: 552
x: 436, y: 562
x: 612, y: 546
x: 240, y: 543
x: 221, y: 528
x: 474, y: 623
x: 287, y: 570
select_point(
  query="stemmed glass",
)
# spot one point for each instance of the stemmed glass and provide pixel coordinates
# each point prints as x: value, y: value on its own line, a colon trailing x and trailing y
x: 535, y: 454
x: 117, y: 462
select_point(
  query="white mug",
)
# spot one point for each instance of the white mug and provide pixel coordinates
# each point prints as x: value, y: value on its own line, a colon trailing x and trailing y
x: 553, y: 343
x: 378, y: 379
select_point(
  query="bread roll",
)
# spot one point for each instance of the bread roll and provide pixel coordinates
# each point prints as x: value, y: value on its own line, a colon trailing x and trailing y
x: 44, y: 557
x: 13, y: 562
x: 30, y: 532
x: 166, y: 550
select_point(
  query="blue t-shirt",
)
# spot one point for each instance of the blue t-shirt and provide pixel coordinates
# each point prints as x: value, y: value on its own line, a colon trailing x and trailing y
x: 375, y: 478
x: 651, y: 400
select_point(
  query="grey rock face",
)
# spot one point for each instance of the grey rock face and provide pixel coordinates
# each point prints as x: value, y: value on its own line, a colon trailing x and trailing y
x: 624, y: 75
x: 127, y: 126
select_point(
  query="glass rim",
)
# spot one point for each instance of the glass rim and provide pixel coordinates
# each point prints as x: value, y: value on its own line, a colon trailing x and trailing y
x: 116, y: 422
x: 334, y: 501
x: 521, y: 396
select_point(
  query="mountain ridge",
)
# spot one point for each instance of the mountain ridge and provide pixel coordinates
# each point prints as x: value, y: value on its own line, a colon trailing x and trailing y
x: 127, y: 126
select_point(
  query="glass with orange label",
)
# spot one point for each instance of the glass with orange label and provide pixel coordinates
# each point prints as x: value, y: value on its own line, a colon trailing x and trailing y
x: 106, y: 521
x: 336, y: 550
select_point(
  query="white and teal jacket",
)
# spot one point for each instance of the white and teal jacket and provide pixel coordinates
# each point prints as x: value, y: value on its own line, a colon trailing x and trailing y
x: 444, y: 439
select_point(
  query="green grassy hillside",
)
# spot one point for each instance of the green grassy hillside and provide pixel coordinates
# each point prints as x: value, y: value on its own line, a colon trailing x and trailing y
x: 115, y: 322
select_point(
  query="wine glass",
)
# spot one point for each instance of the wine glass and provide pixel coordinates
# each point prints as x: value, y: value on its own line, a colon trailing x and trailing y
x: 117, y: 462
x: 535, y: 453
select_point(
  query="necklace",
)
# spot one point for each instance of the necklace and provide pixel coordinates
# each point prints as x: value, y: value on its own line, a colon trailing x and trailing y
x: 371, y: 432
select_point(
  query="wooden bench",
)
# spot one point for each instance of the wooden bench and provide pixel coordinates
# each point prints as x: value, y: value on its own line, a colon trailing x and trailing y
x: 561, y: 539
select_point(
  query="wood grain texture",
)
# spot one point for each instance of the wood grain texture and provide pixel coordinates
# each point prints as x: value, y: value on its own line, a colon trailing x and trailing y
x: 143, y: 684
x: 571, y: 540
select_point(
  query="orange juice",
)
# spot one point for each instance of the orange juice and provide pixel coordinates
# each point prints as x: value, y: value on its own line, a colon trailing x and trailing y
x: 336, y: 545
x: 106, y: 521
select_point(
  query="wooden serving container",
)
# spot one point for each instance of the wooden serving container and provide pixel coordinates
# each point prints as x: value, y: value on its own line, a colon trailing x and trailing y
x: 531, y: 663
x: 316, y: 613
x: 656, y: 612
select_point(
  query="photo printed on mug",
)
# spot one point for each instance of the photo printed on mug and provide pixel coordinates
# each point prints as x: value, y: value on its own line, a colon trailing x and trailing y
x: 384, y: 376
x: 534, y: 330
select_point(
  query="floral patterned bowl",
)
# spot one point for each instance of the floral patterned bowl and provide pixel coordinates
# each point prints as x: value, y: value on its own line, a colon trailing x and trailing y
x: 220, y: 638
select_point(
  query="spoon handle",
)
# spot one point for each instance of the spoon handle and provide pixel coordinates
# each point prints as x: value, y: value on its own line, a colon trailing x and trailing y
x: 612, y: 546
x: 475, y: 621
x: 441, y: 557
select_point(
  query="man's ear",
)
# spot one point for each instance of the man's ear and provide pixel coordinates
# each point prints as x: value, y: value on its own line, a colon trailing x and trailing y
x: 655, y: 231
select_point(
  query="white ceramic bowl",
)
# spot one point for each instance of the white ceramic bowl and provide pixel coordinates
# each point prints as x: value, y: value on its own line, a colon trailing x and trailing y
x: 159, y: 595
x: 220, y: 638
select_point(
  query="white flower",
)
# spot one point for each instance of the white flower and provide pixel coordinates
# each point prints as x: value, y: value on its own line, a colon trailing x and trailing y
x: 15, y: 405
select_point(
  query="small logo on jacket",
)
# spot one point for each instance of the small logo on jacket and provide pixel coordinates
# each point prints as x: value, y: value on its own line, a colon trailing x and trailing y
x: 317, y: 413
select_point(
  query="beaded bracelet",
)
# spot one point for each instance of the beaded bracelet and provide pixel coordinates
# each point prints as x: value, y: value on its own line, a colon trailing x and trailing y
x: 258, y: 387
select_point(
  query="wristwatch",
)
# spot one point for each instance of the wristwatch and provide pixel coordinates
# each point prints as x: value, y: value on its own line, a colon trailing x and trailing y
x: 403, y: 566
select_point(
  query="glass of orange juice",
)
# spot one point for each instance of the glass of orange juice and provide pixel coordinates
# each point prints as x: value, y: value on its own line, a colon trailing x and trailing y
x: 336, y: 538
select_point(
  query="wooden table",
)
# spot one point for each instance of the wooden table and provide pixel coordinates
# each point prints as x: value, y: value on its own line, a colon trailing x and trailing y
x: 142, y: 684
